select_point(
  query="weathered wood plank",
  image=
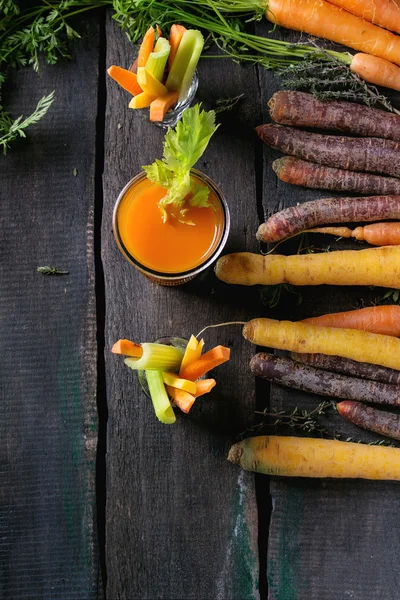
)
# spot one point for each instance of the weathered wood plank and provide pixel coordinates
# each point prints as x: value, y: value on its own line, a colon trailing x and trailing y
x: 48, y: 423
x: 181, y: 521
x: 328, y: 539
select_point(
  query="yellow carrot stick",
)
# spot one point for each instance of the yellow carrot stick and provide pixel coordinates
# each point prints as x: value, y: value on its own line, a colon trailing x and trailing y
x: 322, y: 19
x: 193, y: 351
x: 361, y: 346
x: 308, y: 457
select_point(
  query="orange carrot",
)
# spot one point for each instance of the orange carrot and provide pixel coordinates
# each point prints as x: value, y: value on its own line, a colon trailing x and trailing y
x: 175, y: 36
x: 127, y: 348
x: 376, y: 234
x: 211, y: 359
x: 159, y: 32
x: 146, y: 47
x: 161, y: 105
x: 376, y: 70
x: 376, y: 319
x: 204, y: 386
x: 385, y: 13
x: 182, y: 399
x: 317, y: 17
x: 126, y: 79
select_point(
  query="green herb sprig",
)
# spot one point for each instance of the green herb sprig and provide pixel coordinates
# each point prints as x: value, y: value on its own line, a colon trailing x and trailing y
x: 51, y: 271
x: 11, y: 129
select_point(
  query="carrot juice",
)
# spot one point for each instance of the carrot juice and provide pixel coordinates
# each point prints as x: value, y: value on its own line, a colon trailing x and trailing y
x: 185, y: 241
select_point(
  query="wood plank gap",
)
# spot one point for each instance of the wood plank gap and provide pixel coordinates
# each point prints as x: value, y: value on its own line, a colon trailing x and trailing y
x: 262, y: 389
x: 100, y: 307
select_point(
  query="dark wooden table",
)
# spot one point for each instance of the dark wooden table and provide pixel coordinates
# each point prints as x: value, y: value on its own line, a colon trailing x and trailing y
x: 94, y: 492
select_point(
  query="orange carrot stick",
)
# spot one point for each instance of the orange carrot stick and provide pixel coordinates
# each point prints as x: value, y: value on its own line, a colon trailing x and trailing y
x: 160, y: 106
x: 317, y: 17
x: 204, y: 386
x: 175, y: 36
x: 376, y: 319
x: 376, y: 70
x: 146, y: 47
x: 385, y: 13
x: 211, y: 359
x: 127, y: 348
x: 181, y: 399
x: 126, y: 79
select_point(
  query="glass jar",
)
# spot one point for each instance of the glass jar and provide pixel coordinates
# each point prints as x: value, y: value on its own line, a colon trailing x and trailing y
x: 173, y: 116
x: 161, y: 277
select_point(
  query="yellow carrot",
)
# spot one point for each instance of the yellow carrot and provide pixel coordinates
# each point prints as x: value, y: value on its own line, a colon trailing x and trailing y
x: 317, y: 17
x: 361, y: 346
x: 308, y: 457
x: 373, y: 266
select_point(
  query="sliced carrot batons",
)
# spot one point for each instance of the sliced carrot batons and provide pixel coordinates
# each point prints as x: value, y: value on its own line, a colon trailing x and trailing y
x: 181, y: 399
x: 204, y: 386
x: 127, y: 348
x: 146, y: 47
x: 126, y: 79
x: 211, y: 359
x: 175, y: 36
x: 161, y: 105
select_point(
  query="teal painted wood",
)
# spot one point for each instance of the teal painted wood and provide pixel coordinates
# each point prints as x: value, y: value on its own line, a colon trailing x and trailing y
x: 48, y: 421
x: 337, y: 539
x: 181, y: 521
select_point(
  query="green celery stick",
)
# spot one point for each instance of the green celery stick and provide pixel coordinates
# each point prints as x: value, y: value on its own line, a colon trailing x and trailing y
x: 157, y: 356
x: 185, y: 62
x: 158, y: 58
x: 162, y: 405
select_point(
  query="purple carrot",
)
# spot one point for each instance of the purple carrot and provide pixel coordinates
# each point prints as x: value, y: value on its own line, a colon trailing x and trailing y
x: 303, y: 110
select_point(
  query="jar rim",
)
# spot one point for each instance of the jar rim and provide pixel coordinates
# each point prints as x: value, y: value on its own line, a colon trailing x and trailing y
x: 181, y: 274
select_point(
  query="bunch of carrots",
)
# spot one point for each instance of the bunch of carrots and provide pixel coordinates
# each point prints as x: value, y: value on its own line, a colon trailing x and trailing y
x: 351, y: 356
x: 363, y: 25
x: 172, y: 374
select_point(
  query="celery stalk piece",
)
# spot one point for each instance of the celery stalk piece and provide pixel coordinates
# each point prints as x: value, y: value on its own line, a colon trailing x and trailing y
x: 162, y: 405
x: 158, y: 58
x: 157, y: 356
x: 185, y: 62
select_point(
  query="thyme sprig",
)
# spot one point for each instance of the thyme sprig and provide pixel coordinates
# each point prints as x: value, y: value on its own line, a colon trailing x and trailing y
x: 331, y: 79
x: 304, y: 421
x: 225, y: 104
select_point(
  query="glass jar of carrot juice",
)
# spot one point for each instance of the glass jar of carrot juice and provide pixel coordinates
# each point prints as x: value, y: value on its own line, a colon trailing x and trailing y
x: 175, y: 251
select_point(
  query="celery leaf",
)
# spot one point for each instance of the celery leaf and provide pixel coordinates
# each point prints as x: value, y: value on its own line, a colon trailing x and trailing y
x: 183, y: 146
